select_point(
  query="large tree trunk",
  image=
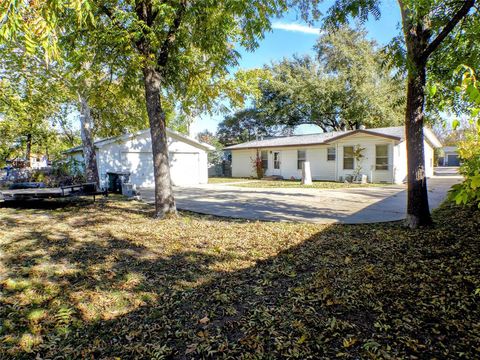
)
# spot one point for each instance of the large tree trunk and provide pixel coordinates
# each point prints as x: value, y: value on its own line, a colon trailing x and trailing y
x: 89, y: 155
x: 164, y: 199
x: 418, y: 212
x: 28, y: 151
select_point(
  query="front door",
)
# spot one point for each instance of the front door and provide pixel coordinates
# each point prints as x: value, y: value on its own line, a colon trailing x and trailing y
x: 276, y: 163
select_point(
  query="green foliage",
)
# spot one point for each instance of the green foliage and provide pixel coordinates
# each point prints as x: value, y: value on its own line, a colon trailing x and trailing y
x: 38, y: 24
x: 245, y: 125
x: 468, y: 192
x: 459, y: 46
x: 30, y: 106
x: 207, y: 137
x: 345, y: 86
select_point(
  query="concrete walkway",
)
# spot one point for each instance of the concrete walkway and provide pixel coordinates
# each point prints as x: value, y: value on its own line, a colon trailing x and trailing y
x: 350, y: 206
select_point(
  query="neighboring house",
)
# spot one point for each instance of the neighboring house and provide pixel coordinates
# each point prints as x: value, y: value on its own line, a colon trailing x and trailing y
x: 132, y: 153
x: 38, y: 161
x: 331, y: 155
x: 450, y: 156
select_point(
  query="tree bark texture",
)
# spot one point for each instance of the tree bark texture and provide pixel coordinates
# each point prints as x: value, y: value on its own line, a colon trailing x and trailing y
x: 89, y: 155
x: 164, y: 199
x: 418, y: 211
x: 28, y: 151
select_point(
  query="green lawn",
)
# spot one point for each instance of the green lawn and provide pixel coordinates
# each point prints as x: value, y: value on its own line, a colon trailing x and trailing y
x: 106, y: 281
x: 297, y: 184
x: 223, y: 180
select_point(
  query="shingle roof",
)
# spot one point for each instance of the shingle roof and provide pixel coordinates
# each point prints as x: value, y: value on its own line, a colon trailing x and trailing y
x: 398, y: 133
x: 99, y: 143
x: 309, y: 139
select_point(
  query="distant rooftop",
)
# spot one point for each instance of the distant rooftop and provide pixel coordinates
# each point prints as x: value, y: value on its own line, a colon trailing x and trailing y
x: 396, y: 133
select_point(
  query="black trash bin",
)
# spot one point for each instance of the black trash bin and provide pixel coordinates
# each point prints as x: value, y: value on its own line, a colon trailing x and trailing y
x: 115, y: 181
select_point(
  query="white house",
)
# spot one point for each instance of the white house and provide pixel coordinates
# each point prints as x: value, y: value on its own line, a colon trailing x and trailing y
x: 331, y: 155
x: 132, y: 153
x: 38, y: 161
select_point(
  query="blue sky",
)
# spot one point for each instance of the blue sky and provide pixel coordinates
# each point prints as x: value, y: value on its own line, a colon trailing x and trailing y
x: 291, y: 36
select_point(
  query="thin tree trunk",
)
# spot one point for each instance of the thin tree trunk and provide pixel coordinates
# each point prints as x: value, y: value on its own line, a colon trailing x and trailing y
x: 28, y: 151
x: 418, y: 212
x: 164, y: 199
x: 89, y: 155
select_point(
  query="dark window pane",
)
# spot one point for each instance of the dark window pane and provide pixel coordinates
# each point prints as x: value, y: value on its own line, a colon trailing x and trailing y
x: 301, y: 158
x: 348, y: 161
x: 331, y: 155
x: 264, y: 160
x: 381, y: 159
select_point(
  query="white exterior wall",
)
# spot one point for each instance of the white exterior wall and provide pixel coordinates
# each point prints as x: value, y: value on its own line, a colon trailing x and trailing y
x: 400, y: 161
x: 242, y: 163
x: 321, y: 169
x: 428, y: 159
x: 368, y: 161
x: 188, y: 163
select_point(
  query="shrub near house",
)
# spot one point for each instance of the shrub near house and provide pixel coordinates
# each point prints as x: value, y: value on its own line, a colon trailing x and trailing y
x: 468, y: 192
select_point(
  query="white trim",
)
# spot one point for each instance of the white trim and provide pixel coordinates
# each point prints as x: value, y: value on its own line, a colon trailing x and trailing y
x: 101, y: 143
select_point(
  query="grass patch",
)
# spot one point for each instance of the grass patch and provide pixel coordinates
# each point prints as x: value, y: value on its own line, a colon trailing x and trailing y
x: 107, y: 281
x: 297, y: 184
x: 224, y: 180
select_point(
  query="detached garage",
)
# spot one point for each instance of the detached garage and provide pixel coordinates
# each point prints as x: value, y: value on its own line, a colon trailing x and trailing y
x: 132, y: 153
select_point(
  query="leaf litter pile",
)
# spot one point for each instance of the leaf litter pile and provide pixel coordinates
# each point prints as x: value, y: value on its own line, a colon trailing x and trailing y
x: 106, y: 281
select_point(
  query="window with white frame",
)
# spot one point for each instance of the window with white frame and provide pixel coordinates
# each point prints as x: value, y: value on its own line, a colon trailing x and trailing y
x: 331, y: 154
x: 381, y: 157
x: 276, y: 160
x: 301, y: 158
x: 348, y: 158
x: 264, y: 155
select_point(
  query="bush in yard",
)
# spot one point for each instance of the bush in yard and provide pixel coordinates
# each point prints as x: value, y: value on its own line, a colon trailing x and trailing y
x: 468, y: 192
x: 258, y: 166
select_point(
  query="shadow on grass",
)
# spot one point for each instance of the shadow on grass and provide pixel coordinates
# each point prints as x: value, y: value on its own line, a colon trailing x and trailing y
x: 207, y: 290
x: 47, y: 204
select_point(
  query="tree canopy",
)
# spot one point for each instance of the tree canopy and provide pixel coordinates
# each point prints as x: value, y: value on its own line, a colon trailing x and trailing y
x: 344, y: 86
x: 245, y: 125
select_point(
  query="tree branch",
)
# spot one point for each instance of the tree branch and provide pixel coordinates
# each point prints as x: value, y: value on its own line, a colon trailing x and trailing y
x: 167, y: 44
x: 459, y: 15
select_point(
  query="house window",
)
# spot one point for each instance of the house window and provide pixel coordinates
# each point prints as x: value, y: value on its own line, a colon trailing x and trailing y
x: 331, y: 154
x: 264, y: 156
x: 348, y: 159
x: 381, y: 157
x: 301, y: 158
x: 276, y: 160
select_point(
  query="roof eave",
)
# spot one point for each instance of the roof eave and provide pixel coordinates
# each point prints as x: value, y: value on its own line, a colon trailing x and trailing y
x: 362, y: 131
x: 103, y: 142
x: 272, y: 146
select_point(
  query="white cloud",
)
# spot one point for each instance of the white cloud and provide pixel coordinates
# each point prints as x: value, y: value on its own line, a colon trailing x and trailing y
x: 296, y: 28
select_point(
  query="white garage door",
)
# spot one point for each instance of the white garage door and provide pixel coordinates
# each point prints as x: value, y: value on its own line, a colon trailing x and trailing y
x: 184, y: 168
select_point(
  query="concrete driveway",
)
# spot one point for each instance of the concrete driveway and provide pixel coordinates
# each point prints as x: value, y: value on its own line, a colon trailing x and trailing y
x: 350, y: 206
